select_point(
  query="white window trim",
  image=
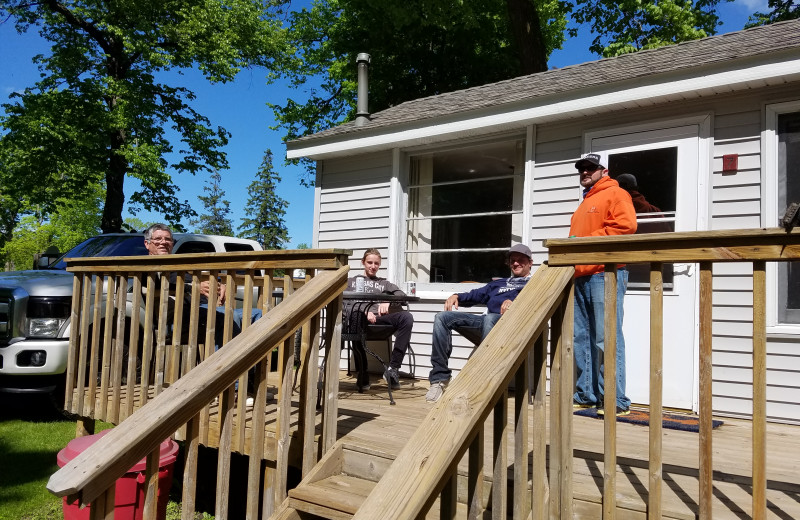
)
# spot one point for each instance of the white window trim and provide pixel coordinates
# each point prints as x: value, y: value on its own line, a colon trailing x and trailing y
x: 403, y: 160
x: 769, y: 206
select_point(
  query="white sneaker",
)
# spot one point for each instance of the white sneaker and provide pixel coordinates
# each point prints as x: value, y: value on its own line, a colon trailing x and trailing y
x: 249, y: 402
x: 435, y: 391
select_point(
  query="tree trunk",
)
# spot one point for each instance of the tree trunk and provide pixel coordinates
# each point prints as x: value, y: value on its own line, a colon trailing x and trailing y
x: 115, y: 181
x: 526, y: 29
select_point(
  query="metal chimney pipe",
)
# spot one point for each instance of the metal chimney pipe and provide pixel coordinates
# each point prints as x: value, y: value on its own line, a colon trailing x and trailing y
x: 362, y: 101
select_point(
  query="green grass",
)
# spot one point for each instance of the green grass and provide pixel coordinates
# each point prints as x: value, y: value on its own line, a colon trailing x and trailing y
x: 32, y: 433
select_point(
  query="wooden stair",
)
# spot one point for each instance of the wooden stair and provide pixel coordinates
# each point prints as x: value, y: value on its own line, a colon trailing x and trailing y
x: 338, y: 485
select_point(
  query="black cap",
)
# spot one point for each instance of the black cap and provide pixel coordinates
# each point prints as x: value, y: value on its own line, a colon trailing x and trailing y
x: 591, y: 158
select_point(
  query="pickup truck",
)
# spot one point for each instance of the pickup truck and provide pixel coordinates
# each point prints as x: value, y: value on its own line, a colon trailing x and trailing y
x: 35, y: 308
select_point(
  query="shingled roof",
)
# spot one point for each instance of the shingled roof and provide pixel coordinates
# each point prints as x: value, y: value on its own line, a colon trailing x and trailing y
x: 697, y: 54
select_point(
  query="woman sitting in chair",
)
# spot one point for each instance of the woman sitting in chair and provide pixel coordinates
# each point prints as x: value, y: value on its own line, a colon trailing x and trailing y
x: 382, y: 314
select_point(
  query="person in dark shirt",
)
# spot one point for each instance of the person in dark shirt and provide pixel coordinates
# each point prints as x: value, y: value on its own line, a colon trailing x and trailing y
x: 497, y: 295
x: 382, y: 314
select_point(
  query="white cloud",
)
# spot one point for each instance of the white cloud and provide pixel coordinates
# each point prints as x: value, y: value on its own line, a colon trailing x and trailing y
x: 753, y: 5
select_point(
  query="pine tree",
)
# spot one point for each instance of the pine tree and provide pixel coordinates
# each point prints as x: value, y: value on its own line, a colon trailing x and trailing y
x: 215, y: 220
x: 265, y: 209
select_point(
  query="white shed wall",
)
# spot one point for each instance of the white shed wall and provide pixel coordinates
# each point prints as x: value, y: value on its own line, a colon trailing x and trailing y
x: 354, y: 214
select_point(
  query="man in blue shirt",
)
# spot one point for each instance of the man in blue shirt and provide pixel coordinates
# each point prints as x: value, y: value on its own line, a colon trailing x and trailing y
x: 497, y: 295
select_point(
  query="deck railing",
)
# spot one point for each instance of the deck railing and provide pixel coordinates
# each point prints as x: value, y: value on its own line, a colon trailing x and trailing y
x: 426, y: 468
x: 135, y: 362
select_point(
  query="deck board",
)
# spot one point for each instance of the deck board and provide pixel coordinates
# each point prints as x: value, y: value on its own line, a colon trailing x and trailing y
x: 367, y: 421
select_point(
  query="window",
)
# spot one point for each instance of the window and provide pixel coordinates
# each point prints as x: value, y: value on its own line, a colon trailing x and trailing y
x: 788, y: 170
x: 464, y: 212
x: 650, y: 176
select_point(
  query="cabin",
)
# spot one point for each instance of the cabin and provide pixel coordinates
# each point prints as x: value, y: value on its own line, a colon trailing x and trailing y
x: 708, y: 130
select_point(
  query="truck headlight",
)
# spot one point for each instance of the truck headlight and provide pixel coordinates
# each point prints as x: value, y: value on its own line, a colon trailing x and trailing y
x: 46, y: 316
x: 44, y: 327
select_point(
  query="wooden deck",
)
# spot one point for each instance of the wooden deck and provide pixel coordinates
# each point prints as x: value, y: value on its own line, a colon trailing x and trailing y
x: 369, y: 424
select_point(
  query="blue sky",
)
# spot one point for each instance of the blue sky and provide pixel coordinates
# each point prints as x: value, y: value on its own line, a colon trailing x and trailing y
x: 240, y: 107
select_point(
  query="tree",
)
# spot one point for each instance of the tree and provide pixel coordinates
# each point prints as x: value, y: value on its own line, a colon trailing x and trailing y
x: 425, y: 47
x: 265, y: 209
x: 73, y: 222
x: 215, y: 221
x: 781, y: 10
x: 624, y: 26
x: 99, y: 113
x: 418, y: 48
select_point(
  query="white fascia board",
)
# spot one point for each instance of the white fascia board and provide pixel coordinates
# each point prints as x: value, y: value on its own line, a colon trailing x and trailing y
x: 349, y: 144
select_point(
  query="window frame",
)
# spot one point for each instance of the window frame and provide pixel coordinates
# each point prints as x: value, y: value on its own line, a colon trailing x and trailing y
x: 770, y: 212
x: 518, y: 213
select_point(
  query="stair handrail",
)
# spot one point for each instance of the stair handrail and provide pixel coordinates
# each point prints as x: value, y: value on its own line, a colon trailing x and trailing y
x: 96, y: 469
x: 420, y: 469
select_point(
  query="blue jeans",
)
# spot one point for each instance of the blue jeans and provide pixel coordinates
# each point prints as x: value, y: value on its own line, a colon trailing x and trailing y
x: 589, y: 336
x: 443, y: 325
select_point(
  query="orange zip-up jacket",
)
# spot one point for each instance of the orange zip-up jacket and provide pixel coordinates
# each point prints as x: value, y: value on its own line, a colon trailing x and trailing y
x: 606, y: 210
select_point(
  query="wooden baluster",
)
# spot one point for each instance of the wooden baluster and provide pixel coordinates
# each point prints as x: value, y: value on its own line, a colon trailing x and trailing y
x: 539, y: 415
x: 522, y: 506
x: 656, y: 389
x: 333, y: 352
x: 75, y: 338
x: 147, y: 347
x: 108, y: 347
x: 84, y: 354
x: 94, y: 356
x: 275, y: 477
x: 610, y: 394
x: 103, y: 506
x: 133, y: 344
x: 161, y: 340
x: 189, y: 492
x: 119, y: 346
x: 556, y: 426
x: 254, y: 488
x: 190, y: 360
x: 211, y: 329
x: 475, y: 507
x: 565, y: 411
x: 237, y: 441
x: 759, y: 391
x: 150, y: 506
x: 173, y: 357
x: 247, y: 312
x: 270, y: 480
x: 706, y: 464
x: 224, y: 452
x: 448, y: 501
x: 500, y: 457
x: 308, y: 402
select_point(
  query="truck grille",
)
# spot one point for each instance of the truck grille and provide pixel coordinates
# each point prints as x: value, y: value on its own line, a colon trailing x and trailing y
x: 5, y: 318
x: 12, y: 313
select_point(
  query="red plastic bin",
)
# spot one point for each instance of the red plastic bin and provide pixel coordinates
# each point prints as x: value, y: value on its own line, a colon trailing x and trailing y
x: 129, y: 492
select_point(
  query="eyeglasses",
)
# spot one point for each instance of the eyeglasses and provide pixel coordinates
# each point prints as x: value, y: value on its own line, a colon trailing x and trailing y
x: 161, y: 240
x: 589, y: 169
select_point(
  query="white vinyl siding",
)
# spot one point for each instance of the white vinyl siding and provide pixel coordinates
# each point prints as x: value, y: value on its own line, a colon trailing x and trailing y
x: 354, y: 205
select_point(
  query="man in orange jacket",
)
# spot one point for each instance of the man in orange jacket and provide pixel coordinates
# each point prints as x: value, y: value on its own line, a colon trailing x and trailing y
x: 606, y: 209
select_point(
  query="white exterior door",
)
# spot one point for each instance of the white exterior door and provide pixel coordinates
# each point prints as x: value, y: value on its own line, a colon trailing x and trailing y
x: 662, y: 170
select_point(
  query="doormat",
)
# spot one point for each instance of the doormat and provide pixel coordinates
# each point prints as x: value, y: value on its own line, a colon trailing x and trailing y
x: 671, y: 421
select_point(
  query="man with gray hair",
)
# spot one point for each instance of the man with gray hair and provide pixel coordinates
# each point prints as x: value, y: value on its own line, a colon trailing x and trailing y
x: 158, y: 240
